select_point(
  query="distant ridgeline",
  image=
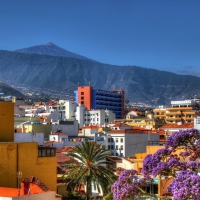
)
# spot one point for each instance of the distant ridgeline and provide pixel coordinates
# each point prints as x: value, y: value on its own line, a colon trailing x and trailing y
x: 62, y: 71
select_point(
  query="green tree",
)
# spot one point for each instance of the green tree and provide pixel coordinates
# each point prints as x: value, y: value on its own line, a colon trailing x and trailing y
x: 92, y: 168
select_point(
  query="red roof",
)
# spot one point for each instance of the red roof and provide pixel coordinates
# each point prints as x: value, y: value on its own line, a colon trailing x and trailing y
x: 36, y: 187
x: 62, y: 158
x: 90, y: 127
x: 129, y: 131
x: 64, y: 149
x: 178, y: 126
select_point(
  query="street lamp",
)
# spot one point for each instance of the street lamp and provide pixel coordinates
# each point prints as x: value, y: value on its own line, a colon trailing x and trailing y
x: 19, y: 175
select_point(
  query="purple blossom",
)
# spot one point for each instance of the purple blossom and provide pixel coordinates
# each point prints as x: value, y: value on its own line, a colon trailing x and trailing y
x: 129, y: 184
x: 165, y: 163
x: 185, y: 186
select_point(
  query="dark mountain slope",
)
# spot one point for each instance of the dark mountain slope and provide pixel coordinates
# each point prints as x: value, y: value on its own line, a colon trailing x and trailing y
x: 61, y: 73
x: 9, y: 91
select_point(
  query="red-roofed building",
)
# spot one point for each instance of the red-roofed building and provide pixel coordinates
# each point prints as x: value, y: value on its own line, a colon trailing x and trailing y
x: 171, y: 128
x: 30, y: 188
x: 88, y: 131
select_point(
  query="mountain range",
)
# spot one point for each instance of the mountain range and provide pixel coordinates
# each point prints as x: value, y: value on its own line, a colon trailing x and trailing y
x: 49, y: 66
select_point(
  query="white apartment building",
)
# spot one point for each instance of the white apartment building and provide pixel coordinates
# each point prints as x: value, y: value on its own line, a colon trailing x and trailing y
x: 69, y: 110
x: 129, y: 142
x: 98, y: 117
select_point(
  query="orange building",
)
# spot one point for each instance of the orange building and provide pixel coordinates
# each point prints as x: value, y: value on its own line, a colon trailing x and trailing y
x: 180, y: 111
x: 85, y: 96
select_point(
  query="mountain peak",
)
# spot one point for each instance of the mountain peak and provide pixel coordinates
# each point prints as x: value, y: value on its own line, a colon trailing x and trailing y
x: 51, y: 49
x: 50, y: 44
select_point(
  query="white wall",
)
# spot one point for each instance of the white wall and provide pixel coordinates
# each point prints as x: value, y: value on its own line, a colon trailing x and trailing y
x: 79, y: 114
x: 98, y: 117
x: 69, y: 129
x: 125, y: 164
x: 42, y: 196
x: 29, y: 137
x: 132, y: 143
x: 197, y: 122
x: 69, y: 110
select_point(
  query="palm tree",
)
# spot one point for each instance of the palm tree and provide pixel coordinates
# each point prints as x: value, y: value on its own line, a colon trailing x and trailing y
x: 92, y: 168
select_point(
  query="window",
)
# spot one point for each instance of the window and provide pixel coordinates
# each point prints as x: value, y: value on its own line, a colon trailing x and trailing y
x: 121, y: 139
x: 108, y: 147
x: 82, y: 102
x: 109, y: 139
x: 116, y: 140
x: 116, y: 147
x: 82, y: 98
x: 82, y: 93
x: 97, y: 119
x: 46, y: 152
x: 111, y: 147
x: 121, y: 147
x: 97, y: 114
x: 112, y: 140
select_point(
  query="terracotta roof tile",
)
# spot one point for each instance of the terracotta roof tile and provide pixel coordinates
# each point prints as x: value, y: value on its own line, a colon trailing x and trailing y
x: 90, y: 127
x: 129, y: 131
x: 64, y: 149
x: 178, y: 126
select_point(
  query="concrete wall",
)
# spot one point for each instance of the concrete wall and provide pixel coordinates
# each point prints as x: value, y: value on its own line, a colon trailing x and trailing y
x: 79, y: 114
x: 39, y: 128
x: 6, y: 121
x: 135, y: 143
x: 69, y: 129
x: 23, y: 157
x: 42, y: 196
x: 197, y: 122
x: 29, y: 137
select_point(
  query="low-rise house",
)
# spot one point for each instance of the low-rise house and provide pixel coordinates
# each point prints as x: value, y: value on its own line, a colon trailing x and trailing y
x: 30, y: 189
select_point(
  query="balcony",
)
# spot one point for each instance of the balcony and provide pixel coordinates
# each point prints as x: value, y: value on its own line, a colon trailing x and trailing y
x: 183, y: 108
x: 173, y: 118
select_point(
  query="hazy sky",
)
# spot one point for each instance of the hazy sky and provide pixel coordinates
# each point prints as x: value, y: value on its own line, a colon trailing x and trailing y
x: 160, y: 34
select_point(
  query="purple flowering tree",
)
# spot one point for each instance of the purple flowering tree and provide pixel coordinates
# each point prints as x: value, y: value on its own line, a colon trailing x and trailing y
x: 178, y: 160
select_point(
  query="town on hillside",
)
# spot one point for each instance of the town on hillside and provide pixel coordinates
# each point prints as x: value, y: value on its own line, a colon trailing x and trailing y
x: 44, y: 144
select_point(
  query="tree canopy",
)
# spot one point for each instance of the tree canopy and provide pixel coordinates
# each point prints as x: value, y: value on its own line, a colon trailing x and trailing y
x: 91, y: 170
x: 177, y: 160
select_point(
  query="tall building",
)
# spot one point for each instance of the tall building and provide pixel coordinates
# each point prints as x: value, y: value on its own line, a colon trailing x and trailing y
x: 101, y: 99
x: 180, y: 111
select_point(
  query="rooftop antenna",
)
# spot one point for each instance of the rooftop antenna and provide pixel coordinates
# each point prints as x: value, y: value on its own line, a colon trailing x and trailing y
x: 89, y: 83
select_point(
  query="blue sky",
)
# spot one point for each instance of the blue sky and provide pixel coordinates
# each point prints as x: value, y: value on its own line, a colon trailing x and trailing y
x: 159, y: 34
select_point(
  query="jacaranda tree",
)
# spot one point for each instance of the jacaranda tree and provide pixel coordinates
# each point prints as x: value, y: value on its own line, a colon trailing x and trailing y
x: 179, y: 160
x: 92, y: 168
